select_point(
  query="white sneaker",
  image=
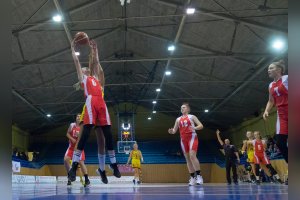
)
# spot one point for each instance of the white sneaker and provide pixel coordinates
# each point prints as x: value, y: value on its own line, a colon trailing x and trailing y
x: 199, y: 180
x: 192, y: 181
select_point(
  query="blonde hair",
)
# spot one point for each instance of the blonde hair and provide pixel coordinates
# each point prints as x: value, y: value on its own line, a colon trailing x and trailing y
x: 281, y: 65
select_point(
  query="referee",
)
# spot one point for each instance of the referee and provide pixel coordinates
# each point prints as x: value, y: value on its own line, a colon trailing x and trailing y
x: 231, y: 158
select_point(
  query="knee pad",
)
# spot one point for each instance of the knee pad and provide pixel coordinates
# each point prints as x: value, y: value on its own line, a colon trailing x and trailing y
x: 108, y: 137
x: 84, y: 136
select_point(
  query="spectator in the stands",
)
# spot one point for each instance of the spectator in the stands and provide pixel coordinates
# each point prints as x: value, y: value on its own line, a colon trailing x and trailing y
x: 275, y: 153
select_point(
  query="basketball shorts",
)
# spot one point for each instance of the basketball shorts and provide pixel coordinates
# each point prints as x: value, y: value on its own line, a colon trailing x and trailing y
x: 282, y: 120
x: 261, y: 158
x: 189, y: 143
x: 135, y: 163
x: 250, y: 155
x: 69, y: 153
x: 96, y: 112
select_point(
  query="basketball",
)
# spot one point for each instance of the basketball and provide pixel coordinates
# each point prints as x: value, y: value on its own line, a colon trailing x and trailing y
x: 81, y: 38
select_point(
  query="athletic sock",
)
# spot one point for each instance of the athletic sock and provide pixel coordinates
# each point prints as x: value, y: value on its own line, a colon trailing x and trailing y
x: 198, y: 172
x: 101, y: 159
x: 192, y: 175
x: 112, y: 157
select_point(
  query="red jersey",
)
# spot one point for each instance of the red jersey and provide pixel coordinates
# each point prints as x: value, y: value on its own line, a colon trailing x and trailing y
x: 74, y: 131
x: 259, y: 146
x: 279, y: 91
x: 186, y: 125
x: 91, y: 86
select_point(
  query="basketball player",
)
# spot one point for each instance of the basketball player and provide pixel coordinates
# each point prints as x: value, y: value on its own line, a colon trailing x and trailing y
x: 278, y: 96
x: 188, y: 124
x: 98, y: 72
x: 101, y: 146
x: 136, y: 158
x: 260, y: 158
x: 72, y: 135
x: 248, y: 147
x: 96, y: 114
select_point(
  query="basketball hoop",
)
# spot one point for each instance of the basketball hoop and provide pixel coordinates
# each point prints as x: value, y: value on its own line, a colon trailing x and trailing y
x: 123, y: 2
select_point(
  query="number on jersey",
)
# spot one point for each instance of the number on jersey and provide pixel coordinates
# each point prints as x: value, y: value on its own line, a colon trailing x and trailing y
x: 184, y: 123
x: 276, y: 90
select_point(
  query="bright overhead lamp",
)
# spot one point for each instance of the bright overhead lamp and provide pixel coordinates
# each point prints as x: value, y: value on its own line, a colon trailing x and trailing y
x: 278, y: 44
x: 57, y: 18
x: 171, y: 48
x: 190, y: 11
x: 168, y: 73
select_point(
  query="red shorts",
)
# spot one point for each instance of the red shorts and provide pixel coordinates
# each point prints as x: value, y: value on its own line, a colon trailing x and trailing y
x: 69, y: 153
x: 96, y: 111
x: 261, y: 158
x: 282, y: 120
x: 189, y: 142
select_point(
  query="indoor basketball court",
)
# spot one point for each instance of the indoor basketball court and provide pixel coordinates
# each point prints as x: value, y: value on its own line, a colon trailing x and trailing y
x: 150, y: 99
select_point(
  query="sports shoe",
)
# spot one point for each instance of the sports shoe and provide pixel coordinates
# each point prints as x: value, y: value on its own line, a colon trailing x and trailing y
x: 133, y: 181
x: 286, y: 182
x: 138, y: 182
x: 87, y: 183
x: 72, y: 172
x: 199, y: 180
x: 192, y: 181
x: 115, y: 169
x: 69, y: 183
x: 103, y: 175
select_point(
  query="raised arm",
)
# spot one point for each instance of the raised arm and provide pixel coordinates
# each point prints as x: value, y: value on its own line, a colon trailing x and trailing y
x: 219, y: 138
x: 95, y: 67
x: 175, y: 128
x: 198, y: 123
x: 244, y: 147
x: 269, y: 106
x: 77, y: 63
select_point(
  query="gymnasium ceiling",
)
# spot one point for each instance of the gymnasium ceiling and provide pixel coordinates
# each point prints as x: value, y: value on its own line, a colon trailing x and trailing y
x: 219, y: 63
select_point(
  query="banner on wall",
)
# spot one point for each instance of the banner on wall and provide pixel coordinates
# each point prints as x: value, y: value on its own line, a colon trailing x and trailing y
x: 23, y: 179
x: 16, y: 167
x: 45, y: 179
